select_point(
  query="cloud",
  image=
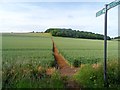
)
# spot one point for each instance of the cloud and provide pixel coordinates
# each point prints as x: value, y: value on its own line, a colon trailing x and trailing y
x: 24, y: 17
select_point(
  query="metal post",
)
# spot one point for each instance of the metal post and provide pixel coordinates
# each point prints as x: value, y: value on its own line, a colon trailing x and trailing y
x: 105, y: 49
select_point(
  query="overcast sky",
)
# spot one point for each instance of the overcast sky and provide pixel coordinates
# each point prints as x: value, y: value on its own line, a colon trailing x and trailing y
x: 39, y: 16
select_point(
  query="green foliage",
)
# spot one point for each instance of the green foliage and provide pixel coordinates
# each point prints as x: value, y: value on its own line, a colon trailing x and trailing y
x: 92, y: 77
x: 74, y: 34
x: 26, y: 48
x: 76, y: 63
x: 21, y: 56
x: 117, y: 37
x: 113, y: 74
x: 56, y: 80
x: 89, y: 77
x: 52, y: 64
x: 28, y: 77
x: 84, y: 50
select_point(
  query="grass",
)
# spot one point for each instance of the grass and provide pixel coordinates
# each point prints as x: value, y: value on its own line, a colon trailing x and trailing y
x: 26, y: 41
x: 85, y: 50
x: 92, y: 77
x: 23, y: 50
x: 88, y: 54
x: 22, y: 55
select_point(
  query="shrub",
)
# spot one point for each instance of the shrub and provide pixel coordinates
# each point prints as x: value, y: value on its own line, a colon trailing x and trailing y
x: 91, y: 77
x: 52, y: 64
x: 113, y: 74
x: 76, y: 63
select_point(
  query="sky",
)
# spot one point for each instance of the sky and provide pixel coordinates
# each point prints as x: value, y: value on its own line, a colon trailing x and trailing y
x: 39, y: 16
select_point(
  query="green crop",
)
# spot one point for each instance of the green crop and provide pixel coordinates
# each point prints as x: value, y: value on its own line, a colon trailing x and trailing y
x: 25, y: 48
x: 22, y: 57
x: 86, y: 50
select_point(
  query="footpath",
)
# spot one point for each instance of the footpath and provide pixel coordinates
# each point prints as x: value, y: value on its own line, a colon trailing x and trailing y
x: 65, y: 69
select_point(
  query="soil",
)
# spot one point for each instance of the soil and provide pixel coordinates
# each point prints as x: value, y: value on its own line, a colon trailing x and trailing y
x: 65, y: 69
x: 50, y: 71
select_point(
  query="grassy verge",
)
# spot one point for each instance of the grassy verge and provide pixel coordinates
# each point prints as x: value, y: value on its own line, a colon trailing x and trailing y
x: 28, y: 77
x: 91, y: 76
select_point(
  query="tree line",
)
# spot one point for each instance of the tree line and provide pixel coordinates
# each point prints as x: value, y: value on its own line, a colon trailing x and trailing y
x: 75, y: 34
x: 117, y: 37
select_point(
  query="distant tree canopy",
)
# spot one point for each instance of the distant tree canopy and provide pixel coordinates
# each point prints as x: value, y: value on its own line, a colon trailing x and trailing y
x: 117, y: 37
x: 74, y: 33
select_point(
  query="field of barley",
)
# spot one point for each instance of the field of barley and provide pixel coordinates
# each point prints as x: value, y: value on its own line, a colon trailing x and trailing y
x: 26, y: 58
x: 86, y: 50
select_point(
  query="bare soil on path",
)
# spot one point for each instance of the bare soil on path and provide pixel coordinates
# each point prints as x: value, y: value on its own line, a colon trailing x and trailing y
x: 65, y: 69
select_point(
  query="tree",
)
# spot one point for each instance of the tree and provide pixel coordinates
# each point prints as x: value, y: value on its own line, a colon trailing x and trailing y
x: 74, y: 33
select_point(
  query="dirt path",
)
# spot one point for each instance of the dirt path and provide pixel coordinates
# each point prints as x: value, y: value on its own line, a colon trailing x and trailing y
x: 62, y: 64
x: 64, y: 68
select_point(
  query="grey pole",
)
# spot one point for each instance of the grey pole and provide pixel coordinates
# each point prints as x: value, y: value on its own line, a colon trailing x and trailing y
x: 105, y: 49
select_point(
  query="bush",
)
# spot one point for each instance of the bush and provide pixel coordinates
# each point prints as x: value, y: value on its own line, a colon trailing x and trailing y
x: 52, y: 64
x: 89, y: 77
x: 113, y: 74
x: 76, y: 63
x: 92, y: 77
